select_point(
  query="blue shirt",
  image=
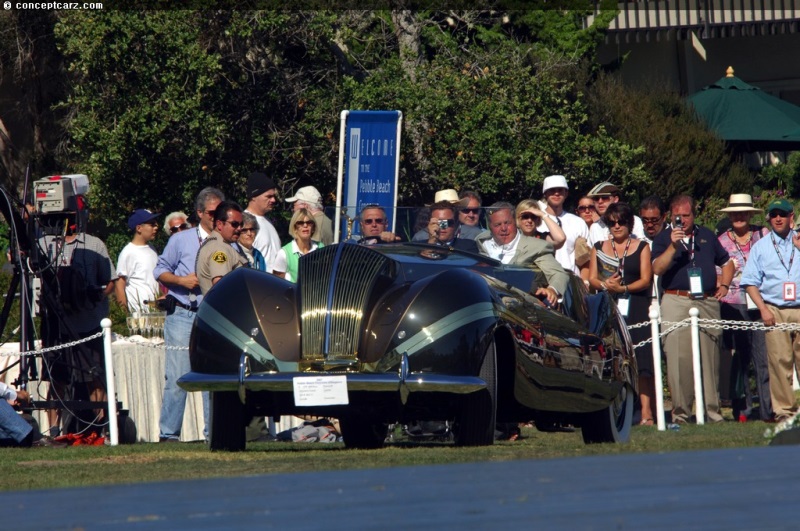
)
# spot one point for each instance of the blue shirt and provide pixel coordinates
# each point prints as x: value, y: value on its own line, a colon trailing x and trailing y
x: 708, y: 253
x: 178, y: 258
x: 766, y: 271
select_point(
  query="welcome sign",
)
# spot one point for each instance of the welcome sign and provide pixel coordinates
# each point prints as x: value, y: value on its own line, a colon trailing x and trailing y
x: 368, y: 166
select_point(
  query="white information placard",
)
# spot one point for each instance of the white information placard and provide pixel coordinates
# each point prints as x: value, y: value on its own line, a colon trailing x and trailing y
x: 320, y: 390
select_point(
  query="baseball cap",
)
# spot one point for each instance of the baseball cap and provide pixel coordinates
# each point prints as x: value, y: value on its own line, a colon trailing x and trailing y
x: 603, y: 189
x: 554, y: 181
x: 309, y: 194
x: 141, y: 216
x: 780, y: 204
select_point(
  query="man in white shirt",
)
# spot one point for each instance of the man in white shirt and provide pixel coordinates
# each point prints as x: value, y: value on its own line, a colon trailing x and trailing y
x: 137, y: 260
x: 263, y: 195
x: 556, y: 191
x: 603, y: 195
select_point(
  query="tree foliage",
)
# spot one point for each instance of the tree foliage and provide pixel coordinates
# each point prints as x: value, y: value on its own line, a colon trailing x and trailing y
x: 163, y: 103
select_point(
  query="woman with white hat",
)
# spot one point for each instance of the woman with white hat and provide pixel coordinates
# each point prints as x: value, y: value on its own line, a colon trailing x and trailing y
x: 736, y: 306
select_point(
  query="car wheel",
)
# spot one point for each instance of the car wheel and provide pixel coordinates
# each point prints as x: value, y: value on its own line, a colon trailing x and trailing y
x: 612, y: 424
x: 477, y: 418
x: 227, y: 422
x: 358, y: 432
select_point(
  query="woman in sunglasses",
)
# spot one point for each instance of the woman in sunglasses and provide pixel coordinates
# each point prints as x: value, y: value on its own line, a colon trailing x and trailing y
x: 247, y: 237
x: 301, y: 227
x: 531, y: 221
x: 586, y: 210
x: 621, y: 266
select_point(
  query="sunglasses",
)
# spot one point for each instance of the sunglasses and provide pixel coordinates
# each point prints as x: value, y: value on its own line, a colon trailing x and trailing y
x: 306, y: 223
x: 251, y: 230
x: 528, y: 217
x: 234, y: 224
x: 616, y: 222
x: 178, y: 228
x: 471, y: 210
x: 779, y: 214
x: 378, y: 221
x: 650, y: 221
x: 585, y: 208
x: 211, y: 212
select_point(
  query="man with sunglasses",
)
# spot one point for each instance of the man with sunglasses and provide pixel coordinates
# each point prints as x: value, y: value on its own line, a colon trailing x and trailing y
x: 771, y: 277
x: 603, y: 195
x: 137, y: 260
x: 686, y: 257
x: 443, y: 228
x: 176, y: 270
x: 373, y: 223
x: 217, y: 256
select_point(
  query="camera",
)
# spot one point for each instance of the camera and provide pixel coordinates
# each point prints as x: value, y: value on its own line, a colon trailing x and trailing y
x: 443, y: 224
x: 678, y: 222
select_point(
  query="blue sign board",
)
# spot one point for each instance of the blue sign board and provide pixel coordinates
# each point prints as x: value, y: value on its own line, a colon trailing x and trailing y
x: 371, y: 145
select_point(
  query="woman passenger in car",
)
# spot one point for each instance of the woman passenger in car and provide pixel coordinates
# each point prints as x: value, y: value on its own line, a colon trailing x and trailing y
x: 531, y: 221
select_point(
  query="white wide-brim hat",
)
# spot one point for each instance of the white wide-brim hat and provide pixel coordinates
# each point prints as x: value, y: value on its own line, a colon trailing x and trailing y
x: 740, y: 203
x: 450, y: 196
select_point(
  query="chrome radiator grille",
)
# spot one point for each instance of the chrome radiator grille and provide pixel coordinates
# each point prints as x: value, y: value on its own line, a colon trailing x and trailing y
x: 335, y: 285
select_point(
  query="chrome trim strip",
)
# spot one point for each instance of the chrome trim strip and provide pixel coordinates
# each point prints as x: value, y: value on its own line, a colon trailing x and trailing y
x: 445, y: 325
x: 224, y: 327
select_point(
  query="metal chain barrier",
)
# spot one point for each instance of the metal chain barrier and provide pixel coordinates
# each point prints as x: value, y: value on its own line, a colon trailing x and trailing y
x: 54, y: 347
x: 154, y: 345
x: 715, y: 324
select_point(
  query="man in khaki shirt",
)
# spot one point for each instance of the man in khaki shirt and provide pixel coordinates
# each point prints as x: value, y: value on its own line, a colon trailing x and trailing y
x: 217, y: 256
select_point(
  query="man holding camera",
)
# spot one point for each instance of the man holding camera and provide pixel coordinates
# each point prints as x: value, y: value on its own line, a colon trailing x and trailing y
x: 686, y: 256
x: 443, y: 227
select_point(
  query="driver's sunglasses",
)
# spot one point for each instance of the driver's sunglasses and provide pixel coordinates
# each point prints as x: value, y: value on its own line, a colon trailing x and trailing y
x: 373, y: 221
x: 471, y: 210
x: 178, y: 228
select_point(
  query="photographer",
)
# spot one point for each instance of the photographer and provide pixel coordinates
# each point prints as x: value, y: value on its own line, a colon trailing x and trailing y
x: 685, y: 257
x: 443, y: 228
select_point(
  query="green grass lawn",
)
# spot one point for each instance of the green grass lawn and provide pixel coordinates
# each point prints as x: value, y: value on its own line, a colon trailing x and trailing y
x: 41, y: 468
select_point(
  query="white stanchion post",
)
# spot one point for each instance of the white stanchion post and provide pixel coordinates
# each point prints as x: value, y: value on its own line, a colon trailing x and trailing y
x: 113, y: 430
x: 658, y: 375
x: 699, y: 399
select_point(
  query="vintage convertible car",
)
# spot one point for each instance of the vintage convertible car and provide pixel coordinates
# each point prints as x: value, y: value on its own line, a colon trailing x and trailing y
x: 374, y: 335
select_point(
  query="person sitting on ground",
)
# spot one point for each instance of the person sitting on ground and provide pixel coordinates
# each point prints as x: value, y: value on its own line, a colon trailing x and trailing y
x: 14, y: 430
x: 531, y: 221
x: 505, y: 243
x: 301, y: 227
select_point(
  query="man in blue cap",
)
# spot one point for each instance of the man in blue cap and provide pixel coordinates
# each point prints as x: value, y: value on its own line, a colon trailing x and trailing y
x: 137, y: 260
x: 771, y: 277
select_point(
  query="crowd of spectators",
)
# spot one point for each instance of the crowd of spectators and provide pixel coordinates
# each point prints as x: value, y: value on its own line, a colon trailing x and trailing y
x: 659, y: 259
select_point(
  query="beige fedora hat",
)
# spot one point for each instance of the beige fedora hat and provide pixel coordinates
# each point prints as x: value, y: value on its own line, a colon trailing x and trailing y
x: 451, y: 196
x: 740, y: 203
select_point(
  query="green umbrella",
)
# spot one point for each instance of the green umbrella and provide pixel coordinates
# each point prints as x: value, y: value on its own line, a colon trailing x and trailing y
x: 746, y: 117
